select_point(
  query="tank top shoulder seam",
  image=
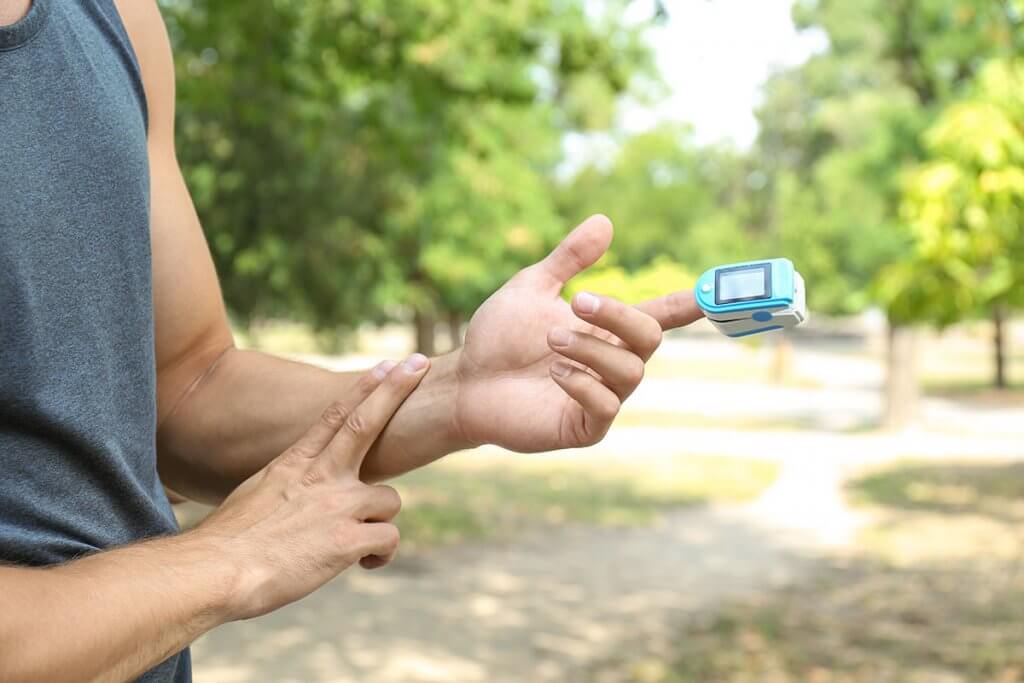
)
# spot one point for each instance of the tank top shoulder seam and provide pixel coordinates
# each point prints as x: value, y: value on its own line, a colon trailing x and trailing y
x: 117, y: 23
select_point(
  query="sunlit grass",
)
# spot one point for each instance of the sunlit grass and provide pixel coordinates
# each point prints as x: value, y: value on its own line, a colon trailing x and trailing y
x: 994, y: 489
x: 976, y: 391
x: 961, y: 363
x: 473, y: 496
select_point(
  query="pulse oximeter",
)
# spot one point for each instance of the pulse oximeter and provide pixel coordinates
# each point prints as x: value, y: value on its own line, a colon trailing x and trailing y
x: 741, y: 299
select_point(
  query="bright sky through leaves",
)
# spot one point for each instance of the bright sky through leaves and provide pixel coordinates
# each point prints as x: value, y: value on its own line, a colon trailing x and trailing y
x: 714, y: 56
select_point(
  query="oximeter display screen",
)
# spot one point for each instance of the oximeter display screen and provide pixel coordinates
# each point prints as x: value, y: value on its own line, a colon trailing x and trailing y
x: 747, y: 283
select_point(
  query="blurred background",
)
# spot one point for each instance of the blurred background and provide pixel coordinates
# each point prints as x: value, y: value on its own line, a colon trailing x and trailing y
x: 843, y: 503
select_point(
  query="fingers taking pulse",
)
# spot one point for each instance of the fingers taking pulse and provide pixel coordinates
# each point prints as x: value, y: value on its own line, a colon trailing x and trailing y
x: 306, y: 516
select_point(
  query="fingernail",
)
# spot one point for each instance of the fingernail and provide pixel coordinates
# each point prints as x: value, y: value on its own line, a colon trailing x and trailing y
x: 587, y: 302
x: 560, y: 337
x: 561, y: 369
x: 383, y: 368
x: 415, y: 363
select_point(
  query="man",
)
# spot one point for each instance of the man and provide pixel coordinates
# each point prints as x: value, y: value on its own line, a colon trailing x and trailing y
x: 116, y: 363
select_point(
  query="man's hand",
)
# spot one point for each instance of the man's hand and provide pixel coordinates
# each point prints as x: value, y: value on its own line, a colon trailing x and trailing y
x: 539, y: 374
x: 285, y: 531
x: 306, y: 516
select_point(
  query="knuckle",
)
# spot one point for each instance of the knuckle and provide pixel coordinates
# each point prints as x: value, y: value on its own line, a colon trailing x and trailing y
x: 333, y: 505
x: 369, y: 381
x: 282, y: 463
x: 335, y: 414
x: 313, y: 476
x: 297, y: 453
x: 636, y: 370
x: 607, y: 410
x: 653, y: 334
x: 359, y: 494
x: 390, y: 537
x: 390, y: 500
x: 597, y: 436
x: 344, y: 534
x: 572, y: 254
x: 356, y: 424
x: 398, y: 379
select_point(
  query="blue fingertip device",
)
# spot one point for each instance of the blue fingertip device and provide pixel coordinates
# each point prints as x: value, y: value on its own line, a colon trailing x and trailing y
x: 741, y: 299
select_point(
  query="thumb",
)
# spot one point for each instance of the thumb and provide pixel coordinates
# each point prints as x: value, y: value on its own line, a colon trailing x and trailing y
x: 579, y: 250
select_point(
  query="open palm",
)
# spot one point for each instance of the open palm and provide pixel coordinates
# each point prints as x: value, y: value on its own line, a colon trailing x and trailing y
x: 520, y: 389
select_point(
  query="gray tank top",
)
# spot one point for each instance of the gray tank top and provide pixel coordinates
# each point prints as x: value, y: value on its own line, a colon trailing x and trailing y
x: 77, y: 374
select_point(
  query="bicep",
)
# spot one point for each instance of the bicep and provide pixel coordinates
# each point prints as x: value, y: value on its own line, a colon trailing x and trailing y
x: 191, y: 323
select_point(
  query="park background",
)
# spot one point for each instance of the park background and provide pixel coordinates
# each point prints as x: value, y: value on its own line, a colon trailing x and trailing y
x: 837, y: 504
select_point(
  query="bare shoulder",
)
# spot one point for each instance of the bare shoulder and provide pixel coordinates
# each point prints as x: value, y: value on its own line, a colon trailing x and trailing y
x: 148, y: 35
x: 13, y: 10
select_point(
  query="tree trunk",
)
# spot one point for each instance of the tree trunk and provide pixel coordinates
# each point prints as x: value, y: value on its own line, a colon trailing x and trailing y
x: 425, y: 323
x: 999, y: 343
x: 901, y: 389
x: 782, y: 358
x: 455, y: 329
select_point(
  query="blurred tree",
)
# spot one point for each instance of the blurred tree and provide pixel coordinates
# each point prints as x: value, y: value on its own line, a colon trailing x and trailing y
x: 839, y: 132
x: 671, y: 201
x: 965, y: 207
x: 352, y: 158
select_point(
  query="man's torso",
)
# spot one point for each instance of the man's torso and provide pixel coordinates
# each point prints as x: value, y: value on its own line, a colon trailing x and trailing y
x: 77, y: 375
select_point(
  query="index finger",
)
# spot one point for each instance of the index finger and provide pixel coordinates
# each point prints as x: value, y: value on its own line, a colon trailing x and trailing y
x: 327, y: 425
x: 637, y: 330
x: 674, y: 310
x: 346, y: 450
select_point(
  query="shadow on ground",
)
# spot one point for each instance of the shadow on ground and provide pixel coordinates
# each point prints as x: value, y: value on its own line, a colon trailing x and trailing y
x: 855, y: 622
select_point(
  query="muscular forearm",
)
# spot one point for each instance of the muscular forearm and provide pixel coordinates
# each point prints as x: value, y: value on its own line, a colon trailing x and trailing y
x: 111, y: 616
x: 248, y: 406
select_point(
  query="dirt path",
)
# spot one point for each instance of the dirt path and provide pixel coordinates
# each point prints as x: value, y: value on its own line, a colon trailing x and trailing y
x: 538, y: 610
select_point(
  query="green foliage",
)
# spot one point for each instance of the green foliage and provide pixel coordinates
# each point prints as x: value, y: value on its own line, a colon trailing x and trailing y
x: 965, y: 206
x: 661, y: 276
x: 350, y: 158
x: 840, y: 132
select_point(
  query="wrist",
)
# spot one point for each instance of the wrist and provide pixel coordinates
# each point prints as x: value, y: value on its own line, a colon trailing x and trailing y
x: 425, y: 428
x: 442, y: 397
x: 224, y: 574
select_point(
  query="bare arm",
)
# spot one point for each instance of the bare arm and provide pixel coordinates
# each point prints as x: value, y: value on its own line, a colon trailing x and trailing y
x: 283, y: 533
x: 111, y: 616
x: 223, y: 413
x: 248, y: 405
